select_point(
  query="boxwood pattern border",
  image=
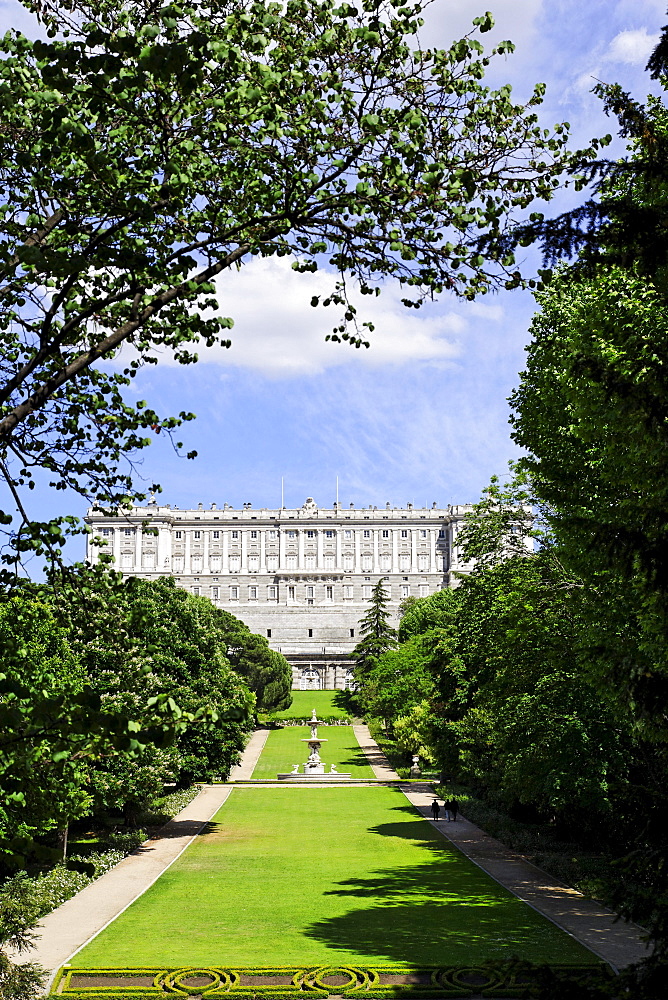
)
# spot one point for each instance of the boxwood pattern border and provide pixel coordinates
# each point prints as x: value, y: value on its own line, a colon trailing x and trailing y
x: 503, y: 980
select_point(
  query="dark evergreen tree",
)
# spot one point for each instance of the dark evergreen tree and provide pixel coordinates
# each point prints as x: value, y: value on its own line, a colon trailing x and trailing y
x: 377, y: 634
x: 267, y: 673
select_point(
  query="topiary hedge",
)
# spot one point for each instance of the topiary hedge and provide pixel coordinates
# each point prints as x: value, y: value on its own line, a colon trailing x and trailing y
x: 496, y: 979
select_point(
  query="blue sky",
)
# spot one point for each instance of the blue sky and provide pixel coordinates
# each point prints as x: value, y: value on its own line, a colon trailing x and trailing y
x: 422, y: 415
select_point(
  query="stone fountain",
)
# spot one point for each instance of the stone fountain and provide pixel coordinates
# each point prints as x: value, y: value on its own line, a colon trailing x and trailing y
x: 314, y: 768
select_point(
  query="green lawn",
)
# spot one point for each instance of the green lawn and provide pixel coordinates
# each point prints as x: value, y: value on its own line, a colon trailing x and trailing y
x: 298, y: 876
x: 328, y: 705
x: 284, y: 748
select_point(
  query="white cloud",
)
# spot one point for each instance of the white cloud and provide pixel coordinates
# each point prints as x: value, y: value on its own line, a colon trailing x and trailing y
x: 494, y: 313
x: 277, y: 332
x: 632, y: 47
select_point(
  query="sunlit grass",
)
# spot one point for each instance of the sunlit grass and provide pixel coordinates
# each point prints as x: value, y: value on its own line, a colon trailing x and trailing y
x: 307, y: 876
x: 284, y: 748
x: 328, y: 704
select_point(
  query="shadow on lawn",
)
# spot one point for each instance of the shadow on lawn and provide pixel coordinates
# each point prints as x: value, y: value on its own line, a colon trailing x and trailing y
x: 432, y: 934
x: 345, y: 701
x: 444, y: 911
x: 437, y: 913
x: 210, y: 828
x: 357, y: 760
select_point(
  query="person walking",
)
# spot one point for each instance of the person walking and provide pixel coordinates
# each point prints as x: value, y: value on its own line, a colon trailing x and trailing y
x: 435, y: 809
x: 446, y: 807
x: 454, y: 808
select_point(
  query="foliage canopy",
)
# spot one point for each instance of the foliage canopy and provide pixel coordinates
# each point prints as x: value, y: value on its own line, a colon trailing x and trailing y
x: 146, y: 148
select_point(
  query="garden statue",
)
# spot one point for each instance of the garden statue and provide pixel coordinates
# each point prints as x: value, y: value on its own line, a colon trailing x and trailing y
x: 314, y: 769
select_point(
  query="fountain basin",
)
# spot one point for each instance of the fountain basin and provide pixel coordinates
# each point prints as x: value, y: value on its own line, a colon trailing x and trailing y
x: 291, y: 776
x: 314, y: 768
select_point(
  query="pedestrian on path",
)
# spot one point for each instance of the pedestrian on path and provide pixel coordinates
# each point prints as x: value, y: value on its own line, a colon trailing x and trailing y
x: 435, y: 809
x: 454, y: 808
x: 447, y: 807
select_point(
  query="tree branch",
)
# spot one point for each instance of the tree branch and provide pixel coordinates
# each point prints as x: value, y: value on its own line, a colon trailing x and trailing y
x: 35, y: 239
x: 40, y: 396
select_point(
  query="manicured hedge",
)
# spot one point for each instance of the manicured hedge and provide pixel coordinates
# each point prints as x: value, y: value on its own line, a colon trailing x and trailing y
x: 503, y: 980
x: 327, y: 720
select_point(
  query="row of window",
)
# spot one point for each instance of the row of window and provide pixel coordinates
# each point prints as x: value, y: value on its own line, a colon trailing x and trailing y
x: 310, y: 562
x: 295, y: 593
x: 328, y: 563
x: 289, y: 534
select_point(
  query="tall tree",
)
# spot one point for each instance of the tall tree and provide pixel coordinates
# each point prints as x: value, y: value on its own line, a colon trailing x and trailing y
x: 267, y: 672
x: 396, y: 681
x: 145, y: 149
x: 168, y: 641
x: 592, y: 406
x: 378, y: 636
x: 591, y: 411
x: 54, y: 725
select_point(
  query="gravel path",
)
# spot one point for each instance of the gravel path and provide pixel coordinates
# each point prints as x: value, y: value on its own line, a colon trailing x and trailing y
x: 374, y: 754
x: 67, y: 929
x: 596, y: 927
x: 251, y: 755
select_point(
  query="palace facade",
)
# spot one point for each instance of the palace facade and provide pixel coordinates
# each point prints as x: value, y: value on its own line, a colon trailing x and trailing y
x: 301, y: 577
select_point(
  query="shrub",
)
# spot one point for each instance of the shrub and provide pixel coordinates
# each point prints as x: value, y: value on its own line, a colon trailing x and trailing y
x: 103, y: 861
x: 45, y: 892
x: 168, y: 806
x: 23, y: 981
x: 500, y: 979
x: 127, y: 841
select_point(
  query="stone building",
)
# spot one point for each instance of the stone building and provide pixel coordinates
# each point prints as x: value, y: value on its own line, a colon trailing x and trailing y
x: 300, y: 577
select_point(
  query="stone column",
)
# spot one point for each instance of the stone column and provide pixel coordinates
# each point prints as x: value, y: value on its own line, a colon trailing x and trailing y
x: 300, y: 548
x: 319, y: 562
x: 243, y: 534
x: 205, y: 551
x: 395, y: 550
x: 376, y: 564
x: 138, y: 544
x: 281, y: 548
x: 414, y: 558
x: 263, y: 550
x: 432, y: 551
x: 358, y: 557
x: 454, y: 555
x: 117, y: 547
x: 186, y: 558
x: 338, y: 549
x: 226, y: 552
x: 164, y: 550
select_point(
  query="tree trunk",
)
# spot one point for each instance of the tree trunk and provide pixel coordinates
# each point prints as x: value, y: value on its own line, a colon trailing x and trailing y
x: 62, y: 841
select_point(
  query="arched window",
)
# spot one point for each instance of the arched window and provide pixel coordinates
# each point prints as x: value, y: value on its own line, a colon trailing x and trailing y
x: 310, y: 679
